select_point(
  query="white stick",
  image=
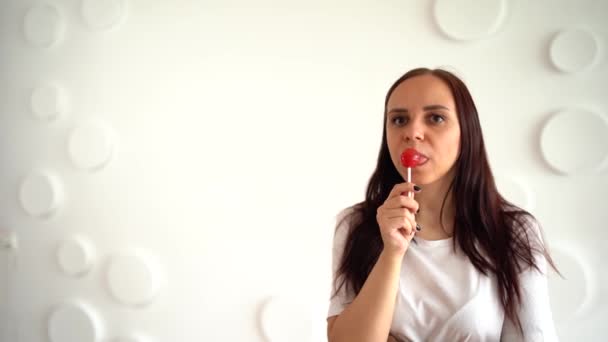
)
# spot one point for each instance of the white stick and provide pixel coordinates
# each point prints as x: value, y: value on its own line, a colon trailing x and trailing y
x: 409, y: 180
x: 411, y: 194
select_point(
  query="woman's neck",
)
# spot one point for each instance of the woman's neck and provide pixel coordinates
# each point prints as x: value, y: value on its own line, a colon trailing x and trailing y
x: 430, y: 217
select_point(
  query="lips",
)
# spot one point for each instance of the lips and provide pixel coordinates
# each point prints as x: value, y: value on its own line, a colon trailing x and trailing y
x: 412, y: 158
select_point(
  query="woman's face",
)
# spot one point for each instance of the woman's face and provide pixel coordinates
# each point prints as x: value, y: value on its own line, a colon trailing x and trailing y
x: 421, y: 114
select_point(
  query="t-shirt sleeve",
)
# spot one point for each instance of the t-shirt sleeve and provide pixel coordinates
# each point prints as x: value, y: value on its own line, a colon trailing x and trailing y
x: 343, y: 297
x: 535, y: 309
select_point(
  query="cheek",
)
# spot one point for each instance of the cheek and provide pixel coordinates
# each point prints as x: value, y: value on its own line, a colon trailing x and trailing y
x: 392, y: 143
x: 456, y: 145
x: 393, y: 153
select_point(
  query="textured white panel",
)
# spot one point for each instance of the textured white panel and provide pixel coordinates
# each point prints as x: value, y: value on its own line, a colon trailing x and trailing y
x: 8, y: 240
x: 515, y: 192
x: 130, y: 338
x: 91, y: 146
x: 132, y: 280
x: 469, y: 20
x: 104, y: 14
x: 40, y: 194
x: 203, y: 96
x: 75, y: 256
x: 286, y: 319
x: 575, y: 140
x: 73, y: 322
x: 49, y: 102
x: 43, y: 25
x: 574, y: 50
x: 575, y: 295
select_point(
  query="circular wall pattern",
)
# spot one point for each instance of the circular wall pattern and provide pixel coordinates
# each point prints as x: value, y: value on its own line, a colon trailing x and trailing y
x: 48, y: 102
x: 574, y: 50
x: 575, y: 140
x: 91, y: 146
x: 40, y: 194
x: 286, y: 319
x: 579, y: 283
x: 515, y: 192
x: 132, y: 280
x: 73, y: 322
x: 43, y: 25
x: 104, y: 14
x: 467, y: 20
x: 75, y: 256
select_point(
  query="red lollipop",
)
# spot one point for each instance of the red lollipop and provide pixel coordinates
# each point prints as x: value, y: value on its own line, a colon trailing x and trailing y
x: 411, y: 158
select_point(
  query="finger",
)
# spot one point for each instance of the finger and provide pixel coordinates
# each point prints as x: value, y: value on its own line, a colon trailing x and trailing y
x: 414, y: 189
x: 399, y: 223
x: 398, y: 213
x: 402, y: 188
x: 409, y: 224
x: 412, y: 223
x: 406, y: 225
x: 401, y: 202
x: 407, y: 234
x: 409, y: 203
x: 403, y: 233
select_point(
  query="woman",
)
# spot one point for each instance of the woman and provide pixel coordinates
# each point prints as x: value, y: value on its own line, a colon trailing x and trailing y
x: 453, y: 262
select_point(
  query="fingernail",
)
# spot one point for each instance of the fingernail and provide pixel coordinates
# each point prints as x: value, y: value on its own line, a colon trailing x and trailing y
x: 418, y: 227
x: 417, y: 188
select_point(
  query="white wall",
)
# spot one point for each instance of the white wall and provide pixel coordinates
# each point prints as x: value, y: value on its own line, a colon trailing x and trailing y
x: 171, y: 169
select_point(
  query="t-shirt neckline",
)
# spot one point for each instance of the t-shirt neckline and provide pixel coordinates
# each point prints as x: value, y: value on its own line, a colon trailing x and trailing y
x: 433, y: 243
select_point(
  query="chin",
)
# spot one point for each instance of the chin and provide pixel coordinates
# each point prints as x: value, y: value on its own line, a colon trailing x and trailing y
x: 418, y: 178
x: 423, y: 180
x: 426, y: 178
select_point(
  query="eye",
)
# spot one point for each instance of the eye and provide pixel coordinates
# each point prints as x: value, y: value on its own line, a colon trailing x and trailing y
x: 436, y: 118
x: 399, y: 120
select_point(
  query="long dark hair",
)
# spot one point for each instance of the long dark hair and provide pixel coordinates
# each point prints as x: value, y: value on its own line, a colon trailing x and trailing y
x: 494, y: 233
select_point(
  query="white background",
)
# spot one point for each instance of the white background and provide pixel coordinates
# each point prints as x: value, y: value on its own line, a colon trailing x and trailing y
x: 236, y: 130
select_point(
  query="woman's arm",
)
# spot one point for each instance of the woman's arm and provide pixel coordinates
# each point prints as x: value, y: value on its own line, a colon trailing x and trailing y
x: 368, y: 318
x: 534, y: 311
x: 330, y: 322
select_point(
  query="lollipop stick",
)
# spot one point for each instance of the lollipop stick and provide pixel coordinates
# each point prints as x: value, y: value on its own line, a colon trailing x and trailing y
x: 411, y: 194
x: 409, y: 180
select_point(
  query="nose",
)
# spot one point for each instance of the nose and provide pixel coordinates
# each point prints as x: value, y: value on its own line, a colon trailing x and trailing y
x: 414, y: 131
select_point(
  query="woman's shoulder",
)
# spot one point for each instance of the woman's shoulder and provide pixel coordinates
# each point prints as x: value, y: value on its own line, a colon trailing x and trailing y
x: 346, y: 219
x: 528, y: 235
x: 522, y: 221
x: 349, y: 216
x: 529, y: 227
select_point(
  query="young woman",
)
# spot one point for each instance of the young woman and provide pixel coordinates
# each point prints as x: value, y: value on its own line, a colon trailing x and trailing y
x: 453, y: 262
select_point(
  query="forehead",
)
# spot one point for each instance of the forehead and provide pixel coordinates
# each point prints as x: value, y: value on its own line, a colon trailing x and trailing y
x: 421, y: 91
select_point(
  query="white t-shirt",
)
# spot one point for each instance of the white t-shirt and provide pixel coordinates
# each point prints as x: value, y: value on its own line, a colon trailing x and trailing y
x: 442, y: 297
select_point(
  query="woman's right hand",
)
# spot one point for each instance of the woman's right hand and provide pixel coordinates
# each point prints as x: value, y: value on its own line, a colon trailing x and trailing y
x: 396, y: 219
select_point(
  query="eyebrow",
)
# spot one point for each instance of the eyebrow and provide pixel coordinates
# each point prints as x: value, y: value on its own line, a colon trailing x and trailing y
x: 426, y: 108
